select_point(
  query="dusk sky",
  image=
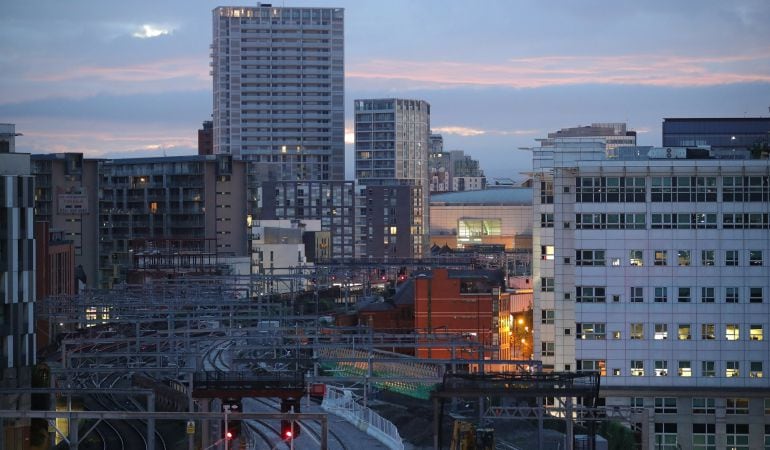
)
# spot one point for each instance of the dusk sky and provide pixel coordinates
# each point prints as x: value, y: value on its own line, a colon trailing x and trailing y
x: 120, y: 79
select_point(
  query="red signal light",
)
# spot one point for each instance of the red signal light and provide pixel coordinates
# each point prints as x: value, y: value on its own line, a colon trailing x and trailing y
x: 229, y: 435
x: 287, y: 435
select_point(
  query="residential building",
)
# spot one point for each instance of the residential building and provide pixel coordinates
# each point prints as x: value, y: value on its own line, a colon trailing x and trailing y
x: 206, y: 138
x: 278, y: 81
x: 733, y: 137
x: 654, y: 272
x: 67, y: 198
x: 389, y: 222
x: 391, y: 149
x: 17, y: 283
x: 331, y: 202
x: 192, y: 199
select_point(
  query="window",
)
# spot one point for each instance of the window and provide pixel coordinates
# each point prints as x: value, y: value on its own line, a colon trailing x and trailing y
x: 737, y: 436
x: 665, y: 436
x: 546, y: 252
x: 590, y: 294
x: 704, y: 436
x: 732, y: 295
x: 660, y: 257
x: 637, y: 368
x: 685, y: 369
x: 755, y: 257
x: 592, y: 365
x: 615, y: 262
x: 708, y: 331
x: 665, y: 405
x: 546, y: 192
x: 708, y: 369
x: 661, y: 295
x: 546, y: 284
x: 661, y: 331
x: 732, y: 332
x: 683, y: 257
x: 707, y: 295
x: 732, y: 369
x: 661, y: 368
x: 707, y: 257
x: 703, y: 405
x: 547, y: 348
x: 637, y: 331
x: 589, y: 257
x: 590, y: 331
x: 683, y: 295
x: 731, y: 258
x: 637, y: 402
x: 737, y: 406
x: 755, y: 295
x: 684, y: 332
x: 637, y: 295
x: 547, y: 316
x: 616, y: 335
x: 546, y: 220
x: 756, y: 332
x: 767, y: 406
x: 755, y: 369
x: 636, y: 258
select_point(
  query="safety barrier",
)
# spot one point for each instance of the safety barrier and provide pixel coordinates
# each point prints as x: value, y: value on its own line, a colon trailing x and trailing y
x: 341, y: 402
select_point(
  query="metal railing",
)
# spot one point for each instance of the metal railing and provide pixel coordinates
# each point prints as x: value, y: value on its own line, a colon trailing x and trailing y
x: 341, y: 402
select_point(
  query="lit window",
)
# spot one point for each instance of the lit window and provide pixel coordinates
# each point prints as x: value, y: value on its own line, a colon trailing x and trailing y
x: 685, y: 369
x: 661, y: 257
x: 755, y: 369
x: 636, y: 258
x: 732, y: 332
x: 683, y: 257
x: 546, y: 252
x: 708, y: 331
x: 637, y: 331
x: 684, y: 332
x: 661, y: 368
x: 732, y: 369
x: 755, y: 332
x: 661, y: 331
x: 637, y: 368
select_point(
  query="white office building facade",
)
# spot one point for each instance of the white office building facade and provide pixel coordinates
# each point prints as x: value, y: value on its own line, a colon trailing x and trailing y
x: 656, y: 273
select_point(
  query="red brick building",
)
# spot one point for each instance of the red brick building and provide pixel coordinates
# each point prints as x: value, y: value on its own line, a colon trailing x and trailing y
x: 54, y: 270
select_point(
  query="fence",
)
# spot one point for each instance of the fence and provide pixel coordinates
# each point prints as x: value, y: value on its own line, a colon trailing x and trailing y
x: 341, y: 402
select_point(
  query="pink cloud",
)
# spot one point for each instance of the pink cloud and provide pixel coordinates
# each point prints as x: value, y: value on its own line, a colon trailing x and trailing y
x: 650, y: 70
x: 193, y: 68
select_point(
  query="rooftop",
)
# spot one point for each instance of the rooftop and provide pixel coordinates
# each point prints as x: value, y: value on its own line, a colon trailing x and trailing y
x: 499, y: 196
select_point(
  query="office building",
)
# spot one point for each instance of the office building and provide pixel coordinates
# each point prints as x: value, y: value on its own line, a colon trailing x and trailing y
x: 731, y: 137
x: 488, y: 217
x: 278, y: 81
x: 17, y: 282
x: 390, y: 223
x: 651, y: 268
x: 614, y: 135
x: 391, y: 149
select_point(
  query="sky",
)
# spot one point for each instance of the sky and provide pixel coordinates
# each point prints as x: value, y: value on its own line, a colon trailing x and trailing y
x: 122, y: 79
